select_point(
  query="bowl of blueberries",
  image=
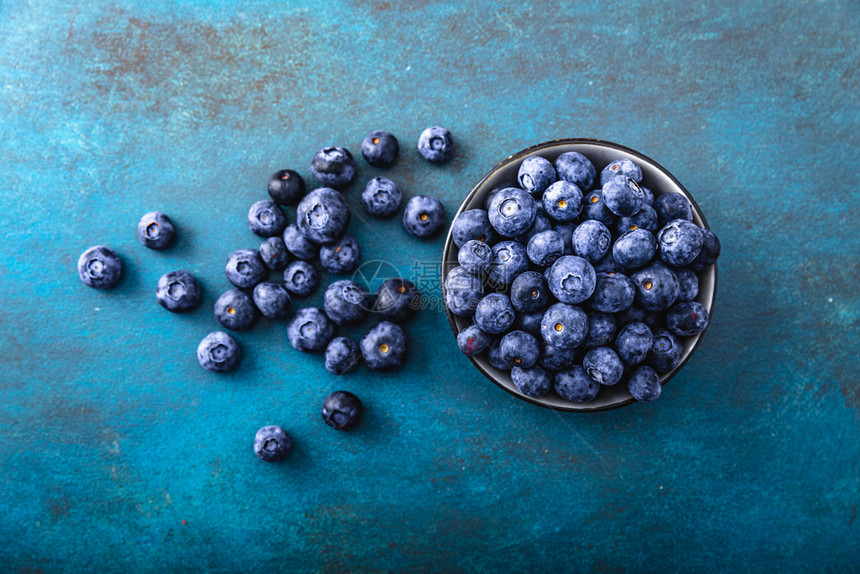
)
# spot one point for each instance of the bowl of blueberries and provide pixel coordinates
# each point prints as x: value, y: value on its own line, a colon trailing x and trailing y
x: 579, y: 275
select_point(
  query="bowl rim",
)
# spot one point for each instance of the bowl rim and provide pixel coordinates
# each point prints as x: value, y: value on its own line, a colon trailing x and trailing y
x: 449, y: 242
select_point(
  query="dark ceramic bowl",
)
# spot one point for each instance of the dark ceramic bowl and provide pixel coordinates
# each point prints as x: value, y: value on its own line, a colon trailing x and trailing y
x: 600, y: 153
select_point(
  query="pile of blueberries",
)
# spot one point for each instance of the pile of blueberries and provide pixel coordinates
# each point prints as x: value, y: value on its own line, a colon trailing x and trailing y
x: 577, y: 281
x: 319, y: 233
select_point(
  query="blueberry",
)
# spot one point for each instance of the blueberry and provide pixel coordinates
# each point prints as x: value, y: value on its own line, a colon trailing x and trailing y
x: 342, y: 256
x: 545, y: 247
x: 623, y: 196
x: 648, y: 196
x: 536, y: 173
x: 345, y: 302
x: 636, y: 314
x: 380, y: 149
x: 218, y: 352
x: 644, y: 384
x: 301, y: 278
x: 533, y: 382
x: 322, y: 216
x: 613, y: 292
x: 462, y: 292
x: 541, y: 223
x: 333, y: 166
x: 273, y: 300
x: 591, y: 240
x: 266, y: 218
x: 709, y: 253
x: 178, y: 291
x: 594, y: 207
x: 472, y: 224
x: 571, y: 279
x: 529, y: 292
x: 656, y: 285
x: 635, y: 248
x: 424, y: 216
x: 436, y: 144
x: 397, y: 300
x: 519, y: 349
x: 310, y: 330
x: 665, y: 353
x: 155, y: 230
x: 381, y: 197
x: 608, y: 265
x: 488, y: 198
x: 272, y: 444
x: 274, y: 253
x: 566, y: 231
x: 99, y: 267
x: 342, y: 410
x: 509, y: 260
x: 494, y: 313
x: 645, y: 218
x: 562, y: 201
x: 235, y: 310
x: 383, y: 346
x: 554, y: 358
x: 472, y: 340
x: 601, y: 329
x: 286, y: 187
x: 299, y: 245
x: 494, y: 356
x: 574, y: 167
x: 623, y: 167
x: 603, y: 366
x: 342, y: 356
x: 688, y: 318
x: 670, y: 206
x: 574, y: 384
x: 475, y: 257
x: 680, y: 242
x: 564, y: 326
x: 529, y: 322
x: 688, y: 283
x: 245, y: 268
x: 512, y: 211
x: 633, y: 343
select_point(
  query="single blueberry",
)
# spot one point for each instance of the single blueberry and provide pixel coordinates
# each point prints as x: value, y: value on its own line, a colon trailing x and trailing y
x: 472, y: 224
x: 475, y: 257
x: 665, y: 353
x: 709, y: 253
x: 494, y: 356
x: 656, y: 285
x: 235, y: 310
x: 613, y: 292
x: 601, y: 329
x: 342, y: 410
x: 383, y: 346
x: 671, y: 206
x: 633, y: 343
x: 680, y: 242
x: 509, y: 260
x: 536, y: 173
x: 574, y: 384
x: 555, y: 359
x: 333, y: 166
x: 322, y: 216
x: 494, y: 313
x: 381, y: 197
x: 533, y: 381
x: 645, y: 218
x: 540, y: 224
x: 286, y: 187
x: 274, y: 253
x: 310, y: 330
x: 397, y: 300
x: 301, y: 278
x: 687, y: 318
x: 178, y: 291
x: 472, y: 340
x: 529, y: 292
x: 299, y: 245
x: 571, y: 279
x: 345, y: 302
x: 218, y: 352
x: 272, y: 444
x: 688, y: 283
x: 245, y: 268
x: 622, y: 196
x: 462, y: 292
x: 564, y: 326
x: 342, y: 356
x: 155, y: 230
x: 562, y: 201
x: 644, y: 384
x: 380, y: 148
x: 99, y: 267
x: 634, y: 248
x: 624, y: 167
x: 273, y: 300
x: 603, y: 366
x: 436, y: 145
x: 591, y: 240
x: 519, y: 349
x: 342, y: 256
x: 266, y: 218
x: 424, y: 216
x: 594, y: 207
x: 545, y: 247
x: 574, y: 167
x: 512, y: 211
x: 528, y: 322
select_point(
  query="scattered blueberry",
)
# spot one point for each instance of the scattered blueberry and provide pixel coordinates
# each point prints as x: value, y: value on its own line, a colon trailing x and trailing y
x: 633, y: 343
x: 245, y: 268
x: 333, y: 166
x: 533, y: 381
x: 218, y: 352
x: 574, y: 167
x: 155, y: 230
x: 274, y: 253
x: 286, y: 187
x: 345, y: 302
x: 436, y: 144
x: 342, y: 410
x: 644, y: 384
x: 301, y: 278
x: 536, y: 174
x: 591, y: 240
x: 178, y: 291
x: 634, y: 248
x: 380, y: 149
x: 235, y: 310
x: 512, y: 211
x: 383, y: 346
x: 603, y: 366
x: 381, y: 197
x: 299, y: 245
x: 424, y: 216
x: 397, y: 300
x: 680, y: 242
x: 475, y: 257
x: 310, y: 330
x: 687, y: 319
x: 472, y: 340
x: 472, y: 224
x: 322, y: 216
x: 266, y: 218
x: 272, y: 444
x: 571, y: 279
x: 574, y: 384
x: 342, y: 356
x: 99, y: 267
x: 562, y: 201
x: 494, y: 313
x: 342, y: 256
x: 564, y: 326
x: 273, y: 300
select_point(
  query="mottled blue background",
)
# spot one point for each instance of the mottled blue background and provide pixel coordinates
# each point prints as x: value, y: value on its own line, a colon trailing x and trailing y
x: 119, y: 453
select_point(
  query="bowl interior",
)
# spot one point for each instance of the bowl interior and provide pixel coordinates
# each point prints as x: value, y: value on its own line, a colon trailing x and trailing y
x: 601, y: 153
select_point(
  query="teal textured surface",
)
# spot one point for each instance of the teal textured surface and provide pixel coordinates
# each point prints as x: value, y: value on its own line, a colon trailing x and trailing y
x: 119, y: 453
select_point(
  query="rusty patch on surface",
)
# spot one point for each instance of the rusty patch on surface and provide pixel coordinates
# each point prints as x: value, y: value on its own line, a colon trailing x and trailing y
x: 59, y: 507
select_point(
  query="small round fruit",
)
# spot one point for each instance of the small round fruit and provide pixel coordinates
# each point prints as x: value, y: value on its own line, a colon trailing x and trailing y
x: 383, y: 346
x: 99, y: 267
x: 342, y: 356
x: 155, y: 230
x: 342, y: 410
x: 286, y: 187
x: 178, y: 291
x: 272, y: 444
x: 380, y: 148
x: 218, y: 352
x: 333, y: 166
x: 424, y: 216
x: 436, y: 144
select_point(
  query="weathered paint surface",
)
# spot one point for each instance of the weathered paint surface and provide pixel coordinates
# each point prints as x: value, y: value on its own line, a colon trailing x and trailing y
x: 119, y: 453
